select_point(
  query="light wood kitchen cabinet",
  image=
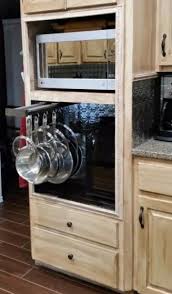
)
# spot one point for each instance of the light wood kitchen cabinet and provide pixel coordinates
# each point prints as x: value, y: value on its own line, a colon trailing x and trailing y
x: 69, y: 52
x: 36, y: 6
x: 79, y: 3
x: 94, y: 51
x: 89, y: 260
x: 164, y: 33
x: 80, y: 223
x: 52, y: 53
x: 153, y: 232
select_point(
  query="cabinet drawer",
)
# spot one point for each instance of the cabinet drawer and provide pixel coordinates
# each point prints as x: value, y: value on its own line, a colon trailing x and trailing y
x: 76, y: 222
x: 87, y: 3
x: 74, y: 256
x: 34, y: 6
x: 155, y: 177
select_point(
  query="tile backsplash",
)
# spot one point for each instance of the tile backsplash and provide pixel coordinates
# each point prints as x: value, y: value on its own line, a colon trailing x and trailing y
x: 146, y: 94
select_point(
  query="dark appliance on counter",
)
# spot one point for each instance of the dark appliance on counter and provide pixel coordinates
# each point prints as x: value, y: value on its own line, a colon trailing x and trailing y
x: 94, y: 183
x: 165, y: 123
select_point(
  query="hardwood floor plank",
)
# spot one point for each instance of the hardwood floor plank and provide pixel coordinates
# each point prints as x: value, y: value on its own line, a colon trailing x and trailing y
x: 15, y: 209
x: 27, y: 246
x: 12, y: 266
x: 61, y: 283
x: 13, y: 239
x: 19, y: 286
x: 15, y: 228
x: 4, y: 292
x: 27, y: 223
x: 8, y: 215
x: 19, y: 254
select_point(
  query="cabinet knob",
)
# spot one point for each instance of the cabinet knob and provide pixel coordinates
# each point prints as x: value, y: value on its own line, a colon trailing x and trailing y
x: 70, y: 256
x: 69, y: 224
x: 141, y: 217
x: 163, y: 45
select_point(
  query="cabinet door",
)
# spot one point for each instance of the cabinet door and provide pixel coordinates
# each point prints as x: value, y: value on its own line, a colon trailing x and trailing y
x: 52, y: 53
x: 94, y: 51
x: 164, y: 38
x: 33, y: 6
x: 154, y: 254
x: 81, y: 3
x: 69, y: 52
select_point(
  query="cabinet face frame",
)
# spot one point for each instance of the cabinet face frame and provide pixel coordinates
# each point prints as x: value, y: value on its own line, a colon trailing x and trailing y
x: 86, y: 84
x: 40, y: 6
x: 100, y: 98
x: 123, y: 103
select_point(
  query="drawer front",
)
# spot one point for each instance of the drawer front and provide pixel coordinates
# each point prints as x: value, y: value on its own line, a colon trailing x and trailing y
x: 79, y: 3
x: 34, y: 6
x: 155, y: 177
x: 76, y: 222
x: 74, y: 256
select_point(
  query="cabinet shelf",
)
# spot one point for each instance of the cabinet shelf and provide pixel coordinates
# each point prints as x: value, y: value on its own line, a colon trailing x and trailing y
x: 73, y: 97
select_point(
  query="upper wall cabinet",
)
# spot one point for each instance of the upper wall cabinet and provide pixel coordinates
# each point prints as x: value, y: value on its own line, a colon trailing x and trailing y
x: 36, y: 6
x: 87, y: 3
x: 164, y: 35
x: 69, y: 52
x: 52, y: 53
x: 94, y: 51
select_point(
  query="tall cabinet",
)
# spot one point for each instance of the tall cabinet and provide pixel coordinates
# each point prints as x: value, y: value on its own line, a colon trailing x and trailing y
x: 87, y: 242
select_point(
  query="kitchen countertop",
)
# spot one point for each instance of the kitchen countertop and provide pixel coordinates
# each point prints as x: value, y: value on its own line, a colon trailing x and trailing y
x: 154, y: 149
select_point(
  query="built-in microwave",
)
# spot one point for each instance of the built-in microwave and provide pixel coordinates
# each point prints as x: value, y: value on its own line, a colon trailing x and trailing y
x: 82, y: 60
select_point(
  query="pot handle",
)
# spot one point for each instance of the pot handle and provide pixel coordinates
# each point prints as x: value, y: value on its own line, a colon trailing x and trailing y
x: 20, y: 142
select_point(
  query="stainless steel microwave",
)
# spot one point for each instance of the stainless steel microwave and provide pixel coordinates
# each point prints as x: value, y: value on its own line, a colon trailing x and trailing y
x: 82, y: 60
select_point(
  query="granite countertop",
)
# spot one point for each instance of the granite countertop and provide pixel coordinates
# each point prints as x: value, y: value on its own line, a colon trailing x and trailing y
x: 154, y: 149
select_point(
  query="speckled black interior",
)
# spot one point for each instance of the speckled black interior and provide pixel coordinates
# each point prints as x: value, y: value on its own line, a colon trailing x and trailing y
x: 146, y: 109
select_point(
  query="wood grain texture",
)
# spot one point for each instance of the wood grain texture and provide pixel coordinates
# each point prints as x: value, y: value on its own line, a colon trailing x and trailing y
x: 13, y: 266
x: 73, y: 97
x: 36, y: 6
x: 16, y: 285
x: 66, y: 285
x: 155, y: 177
x: 15, y: 260
x: 89, y: 261
x: 144, y: 37
x: 80, y: 4
x: 12, y: 216
x: 19, y: 229
x: 12, y: 238
x: 16, y: 253
x: 85, y: 224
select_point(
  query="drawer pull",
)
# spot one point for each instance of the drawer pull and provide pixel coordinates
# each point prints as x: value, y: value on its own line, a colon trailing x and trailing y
x: 70, y: 256
x: 163, y: 45
x: 141, y: 217
x: 69, y: 224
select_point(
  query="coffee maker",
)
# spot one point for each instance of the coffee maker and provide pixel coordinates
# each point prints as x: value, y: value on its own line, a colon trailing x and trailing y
x: 165, y: 124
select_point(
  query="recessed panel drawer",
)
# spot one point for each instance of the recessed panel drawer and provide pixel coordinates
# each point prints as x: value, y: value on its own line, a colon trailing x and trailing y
x: 81, y: 258
x: 36, y: 6
x: 155, y: 177
x: 84, y: 224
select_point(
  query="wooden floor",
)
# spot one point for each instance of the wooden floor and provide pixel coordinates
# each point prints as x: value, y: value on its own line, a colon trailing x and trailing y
x: 18, y: 273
